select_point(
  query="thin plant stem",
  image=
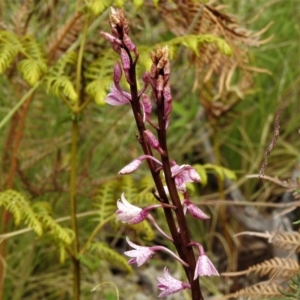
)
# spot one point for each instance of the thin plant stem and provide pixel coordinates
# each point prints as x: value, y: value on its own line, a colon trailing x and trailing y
x: 18, y: 105
x: 95, y: 232
x: 73, y: 210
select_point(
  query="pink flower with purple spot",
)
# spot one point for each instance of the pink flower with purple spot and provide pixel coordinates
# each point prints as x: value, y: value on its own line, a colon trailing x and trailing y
x: 204, y: 267
x: 140, y: 255
x: 169, y: 285
x: 184, y: 174
x: 129, y: 213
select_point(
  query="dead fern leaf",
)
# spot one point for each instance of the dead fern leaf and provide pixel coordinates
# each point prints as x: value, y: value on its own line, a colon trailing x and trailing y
x: 277, y: 267
x: 261, y: 290
x: 65, y: 36
x: 212, y: 68
x: 289, y: 241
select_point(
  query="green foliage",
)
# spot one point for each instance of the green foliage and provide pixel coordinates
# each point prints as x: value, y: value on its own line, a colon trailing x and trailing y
x: 221, y: 172
x: 144, y: 229
x: 97, y: 6
x: 193, y: 42
x: 99, y: 73
x: 9, y: 48
x: 103, y: 252
x: 59, y: 81
x: 294, y: 285
x: 21, y: 210
x: 106, y: 200
x: 34, y: 65
x: 38, y: 217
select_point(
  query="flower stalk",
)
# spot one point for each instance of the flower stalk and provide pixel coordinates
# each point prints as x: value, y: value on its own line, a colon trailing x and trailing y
x: 175, y: 176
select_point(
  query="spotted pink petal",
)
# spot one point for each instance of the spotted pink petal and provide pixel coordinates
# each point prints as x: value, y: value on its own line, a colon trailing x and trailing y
x: 169, y: 285
x: 205, y: 267
x: 127, y: 212
x: 151, y: 139
x: 133, y: 166
x: 194, y: 211
x: 117, y: 72
x: 140, y: 255
x: 128, y: 43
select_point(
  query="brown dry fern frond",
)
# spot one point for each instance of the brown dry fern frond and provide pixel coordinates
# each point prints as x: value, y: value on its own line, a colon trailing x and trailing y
x: 65, y: 36
x: 216, y: 70
x: 289, y: 241
x: 21, y: 17
x: 261, y: 290
x: 277, y: 267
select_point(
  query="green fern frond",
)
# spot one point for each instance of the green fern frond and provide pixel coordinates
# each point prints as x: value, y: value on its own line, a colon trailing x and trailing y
x: 68, y: 59
x: 106, y: 199
x: 62, y: 85
x: 99, y: 74
x: 129, y: 188
x: 98, y: 90
x: 221, y: 172
x: 98, y: 6
x: 58, y: 79
x: 34, y: 65
x: 32, y: 70
x: 193, y: 42
x: 106, y: 253
x: 50, y: 226
x: 202, y: 172
x: 144, y: 229
x: 9, y: 48
x: 145, y: 196
x: 21, y: 210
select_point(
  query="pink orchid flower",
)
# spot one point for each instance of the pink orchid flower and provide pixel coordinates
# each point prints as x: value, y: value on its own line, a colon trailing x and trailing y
x: 184, y: 174
x: 204, y: 267
x: 140, y: 255
x: 129, y: 213
x: 116, y: 97
x: 169, y: 285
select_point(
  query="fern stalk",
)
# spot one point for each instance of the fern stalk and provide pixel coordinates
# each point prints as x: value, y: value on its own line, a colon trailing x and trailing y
x: 19, y: 122
x: 73, y: 209
x: 73, y: 175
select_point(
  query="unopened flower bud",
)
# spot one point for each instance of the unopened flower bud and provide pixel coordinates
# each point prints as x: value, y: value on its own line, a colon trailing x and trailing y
x: 128, y: 43
x: 159, y: 86
x: 153, y: 142
x: 147, y: 104
x: 131, y: 167
x: 151, y: 139
x: 167, y: 93
x: 117, y: 72
x: 146, y: 77
x: 126, y: 64
x: 109, y: 37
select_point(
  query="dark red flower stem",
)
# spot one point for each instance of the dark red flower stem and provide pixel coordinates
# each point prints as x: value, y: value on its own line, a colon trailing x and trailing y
x: 181, y: 238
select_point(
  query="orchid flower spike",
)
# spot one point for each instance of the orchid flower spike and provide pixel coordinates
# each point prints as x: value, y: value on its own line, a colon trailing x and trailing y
x: 169, y: 285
